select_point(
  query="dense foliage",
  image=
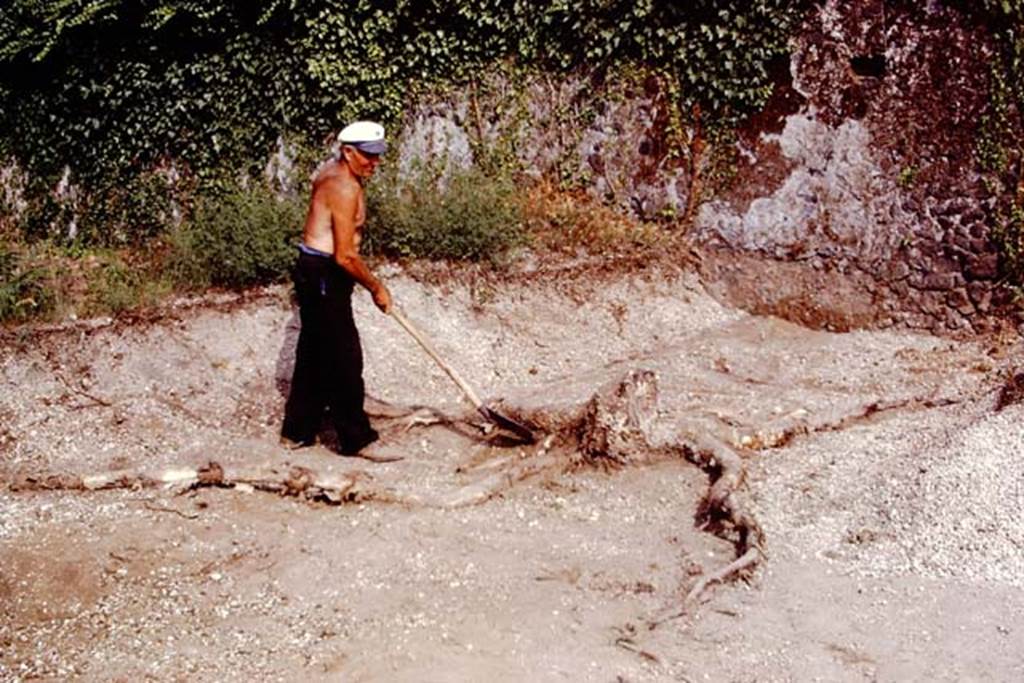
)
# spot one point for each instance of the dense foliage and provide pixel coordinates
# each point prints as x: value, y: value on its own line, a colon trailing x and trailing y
x: 194, y: 92
x: 127, y: 93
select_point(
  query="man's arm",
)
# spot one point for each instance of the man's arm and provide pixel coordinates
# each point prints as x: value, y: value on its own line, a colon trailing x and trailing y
x: 342, y: 199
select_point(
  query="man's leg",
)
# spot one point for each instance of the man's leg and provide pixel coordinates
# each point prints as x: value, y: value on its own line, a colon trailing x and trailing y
x: 308, y: 395
x: 346, y: 391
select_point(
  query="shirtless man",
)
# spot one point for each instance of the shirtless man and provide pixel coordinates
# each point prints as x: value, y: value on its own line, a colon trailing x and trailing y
x: 329, y: 358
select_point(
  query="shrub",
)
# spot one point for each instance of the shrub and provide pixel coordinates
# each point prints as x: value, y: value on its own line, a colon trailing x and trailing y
x: 466, y: 215
x: 114, y: 281
x: 239, y: 238
x: 23, y: 290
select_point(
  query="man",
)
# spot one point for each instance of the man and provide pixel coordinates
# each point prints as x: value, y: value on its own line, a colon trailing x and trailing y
x: 329, y: 358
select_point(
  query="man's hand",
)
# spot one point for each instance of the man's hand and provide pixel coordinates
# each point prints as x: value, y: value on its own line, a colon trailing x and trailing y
x: 382, y: 297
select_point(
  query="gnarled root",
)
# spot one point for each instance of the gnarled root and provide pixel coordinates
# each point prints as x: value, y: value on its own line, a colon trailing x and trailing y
x: 502, y: 476
x: 722, y: 511
x: 621, y: 426
x: 742, y: 563
x: 617, y: 421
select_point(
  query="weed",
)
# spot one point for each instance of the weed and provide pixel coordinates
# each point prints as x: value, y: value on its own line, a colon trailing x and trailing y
x: 569, y: 222
x: 908, y: 176
x: 114, y: 283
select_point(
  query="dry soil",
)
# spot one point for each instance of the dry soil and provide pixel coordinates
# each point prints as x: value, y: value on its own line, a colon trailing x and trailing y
x: 889, y: 489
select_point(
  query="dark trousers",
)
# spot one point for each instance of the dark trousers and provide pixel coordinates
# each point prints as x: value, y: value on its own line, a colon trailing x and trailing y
x: 329, y: 358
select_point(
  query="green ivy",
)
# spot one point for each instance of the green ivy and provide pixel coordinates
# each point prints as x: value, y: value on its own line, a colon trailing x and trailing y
x: 114, y: 89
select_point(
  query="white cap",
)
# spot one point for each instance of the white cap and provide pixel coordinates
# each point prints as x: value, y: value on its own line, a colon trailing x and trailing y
x: 365, y: 136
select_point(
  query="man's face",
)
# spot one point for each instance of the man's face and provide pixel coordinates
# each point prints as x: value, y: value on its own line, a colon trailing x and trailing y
x: 361, y: 163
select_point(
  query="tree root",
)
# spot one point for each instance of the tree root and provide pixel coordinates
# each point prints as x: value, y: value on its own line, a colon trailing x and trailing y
x: 294, y: 481
x: 511, y: 472
x: 620, y: 426
x: 722, y: 512
x: 301, y: 482
x: 743, y: 563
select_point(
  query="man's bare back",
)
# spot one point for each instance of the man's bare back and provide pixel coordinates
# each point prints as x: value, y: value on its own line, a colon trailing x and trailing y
x: 337, y: 214
x: 317, y: 232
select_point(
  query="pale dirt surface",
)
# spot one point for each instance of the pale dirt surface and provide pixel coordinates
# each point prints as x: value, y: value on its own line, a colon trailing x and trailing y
x: 889, y: 490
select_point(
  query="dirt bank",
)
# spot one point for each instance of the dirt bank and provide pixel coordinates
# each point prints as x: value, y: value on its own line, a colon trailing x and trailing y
x: 888, y: 489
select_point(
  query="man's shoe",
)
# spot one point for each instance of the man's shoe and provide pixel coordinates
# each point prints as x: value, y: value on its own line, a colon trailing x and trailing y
x: 351, y: 448
x: 296, y: 445
x: 371, y: 454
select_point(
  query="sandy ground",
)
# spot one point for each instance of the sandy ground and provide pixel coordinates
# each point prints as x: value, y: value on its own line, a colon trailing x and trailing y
x: 889, y: 489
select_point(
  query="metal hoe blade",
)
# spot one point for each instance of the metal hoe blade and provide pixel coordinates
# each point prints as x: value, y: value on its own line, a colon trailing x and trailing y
x: 522, y: 432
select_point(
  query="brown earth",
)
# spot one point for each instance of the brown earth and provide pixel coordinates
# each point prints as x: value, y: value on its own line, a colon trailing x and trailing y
x: 888, y: 487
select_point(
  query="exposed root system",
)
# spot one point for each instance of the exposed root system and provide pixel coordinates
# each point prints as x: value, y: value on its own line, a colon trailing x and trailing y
x: 502, y: 475
x: 619, y: 426
x: 723, y: 512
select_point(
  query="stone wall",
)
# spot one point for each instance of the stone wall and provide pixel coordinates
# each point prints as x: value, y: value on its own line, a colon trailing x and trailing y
x: 880, y: 172
x: 857, y: 197
x: 12, y: 195
x: 606, y: 137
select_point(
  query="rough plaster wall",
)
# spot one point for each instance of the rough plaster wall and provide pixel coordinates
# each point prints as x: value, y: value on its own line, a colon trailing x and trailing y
x: 623, y: 152
x: 875, y: 170
x: 279, y: 170
x: 836, y: 203
x: 12, y: 194
x: 433, y: 136
x: 864, y: 165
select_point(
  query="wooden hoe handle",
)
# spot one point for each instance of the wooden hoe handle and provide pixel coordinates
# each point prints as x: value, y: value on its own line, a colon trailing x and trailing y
x: 432, y: 352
